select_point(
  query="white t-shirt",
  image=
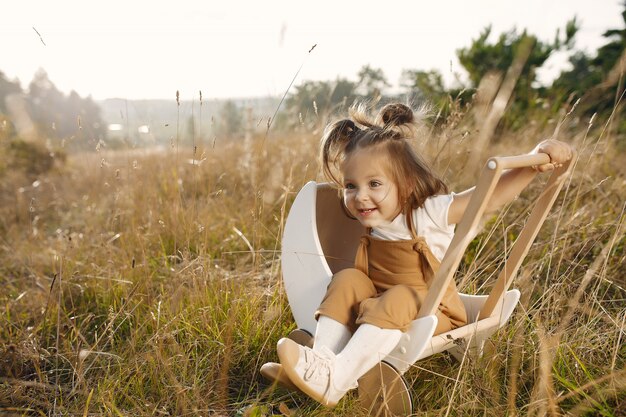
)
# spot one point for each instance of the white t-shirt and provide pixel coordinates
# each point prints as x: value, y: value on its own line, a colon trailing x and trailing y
x: 430, y: 222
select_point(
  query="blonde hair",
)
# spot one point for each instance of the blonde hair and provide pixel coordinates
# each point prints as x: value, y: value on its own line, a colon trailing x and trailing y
x: 390, y: 131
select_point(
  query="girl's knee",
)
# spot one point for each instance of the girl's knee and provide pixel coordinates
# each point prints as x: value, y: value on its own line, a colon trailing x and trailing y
x: 347, y: 289
x: 396, y: 308
x: 403, y: 295
x: 402, y: 302
x: 352, y: 278
x: 350, y: 274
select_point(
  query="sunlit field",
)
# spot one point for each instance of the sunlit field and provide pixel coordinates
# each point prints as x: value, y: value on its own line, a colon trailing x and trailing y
x: 148, y: 282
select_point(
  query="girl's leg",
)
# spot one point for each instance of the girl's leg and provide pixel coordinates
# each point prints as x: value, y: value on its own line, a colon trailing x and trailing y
x: 380, y: 320
x: 336, y: 317
x: 327, y: 377
x: 347, y: 289
x: 368, y: 346
x: 331, y: 334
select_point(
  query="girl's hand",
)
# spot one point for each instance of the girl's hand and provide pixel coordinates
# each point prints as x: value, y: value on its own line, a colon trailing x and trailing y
x: 513, y: 181
x: 559, y: 152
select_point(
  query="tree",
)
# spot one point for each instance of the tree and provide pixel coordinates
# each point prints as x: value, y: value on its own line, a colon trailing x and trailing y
x: 424, y: 85
x: 313, y: 101
x: 595, y: 78
x: 372, y: 82
x: 609, y: 54
x: 7, y: 88
x: 74, y: 119
x: 85, y: 113
x: 483, y: 57
x: 45, y: 105
x: 230, y: 122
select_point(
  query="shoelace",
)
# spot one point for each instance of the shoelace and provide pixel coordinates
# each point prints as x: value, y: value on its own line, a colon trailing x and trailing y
x: 319, y: 367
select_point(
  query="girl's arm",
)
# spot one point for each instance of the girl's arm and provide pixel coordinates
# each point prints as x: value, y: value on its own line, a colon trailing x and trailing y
x: 513, y: 181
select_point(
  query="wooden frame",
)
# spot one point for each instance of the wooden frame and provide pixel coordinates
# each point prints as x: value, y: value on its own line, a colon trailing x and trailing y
x: 465, y: 230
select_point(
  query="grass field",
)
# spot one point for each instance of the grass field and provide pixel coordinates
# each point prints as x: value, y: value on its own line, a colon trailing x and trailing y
x: 145, y: 283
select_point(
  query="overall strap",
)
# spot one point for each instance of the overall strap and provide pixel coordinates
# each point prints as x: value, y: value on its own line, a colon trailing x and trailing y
x: 430, y: 263
x: 361, y: 261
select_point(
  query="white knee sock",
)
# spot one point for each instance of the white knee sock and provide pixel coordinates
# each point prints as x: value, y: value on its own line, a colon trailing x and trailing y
x: 331, y: 333
x: 368, y: 346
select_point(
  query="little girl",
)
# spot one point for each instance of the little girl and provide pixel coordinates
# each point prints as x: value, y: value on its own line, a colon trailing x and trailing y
x: 410, y: 216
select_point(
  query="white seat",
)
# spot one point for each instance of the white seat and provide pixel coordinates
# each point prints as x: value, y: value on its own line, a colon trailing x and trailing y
x: 471, y: 336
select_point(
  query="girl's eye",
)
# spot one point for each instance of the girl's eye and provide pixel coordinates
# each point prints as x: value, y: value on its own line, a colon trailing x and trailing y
x: 375, y: 184
x: 349, y: 186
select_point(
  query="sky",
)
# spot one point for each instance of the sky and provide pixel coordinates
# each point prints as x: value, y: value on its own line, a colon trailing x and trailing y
x: 149, y: 49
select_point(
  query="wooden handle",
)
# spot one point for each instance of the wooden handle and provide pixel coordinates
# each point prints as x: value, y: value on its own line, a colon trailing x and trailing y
x: 521, y: 161
x: 467, y: 227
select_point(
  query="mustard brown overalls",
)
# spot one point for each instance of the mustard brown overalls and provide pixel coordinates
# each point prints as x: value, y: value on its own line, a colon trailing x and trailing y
x: 388, y: 285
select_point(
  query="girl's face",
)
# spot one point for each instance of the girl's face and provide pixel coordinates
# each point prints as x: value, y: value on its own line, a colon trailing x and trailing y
x: 369, y: 192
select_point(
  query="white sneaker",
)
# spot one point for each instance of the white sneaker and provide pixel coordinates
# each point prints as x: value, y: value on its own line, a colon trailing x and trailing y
x: 274, y: 373
x: 311, y: 371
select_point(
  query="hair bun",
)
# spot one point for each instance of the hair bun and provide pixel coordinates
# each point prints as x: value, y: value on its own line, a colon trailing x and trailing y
x: 347, y: 127
x: 396, y: 114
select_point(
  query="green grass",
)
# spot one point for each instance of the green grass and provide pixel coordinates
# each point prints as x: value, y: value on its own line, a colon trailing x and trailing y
x: 140, y: 284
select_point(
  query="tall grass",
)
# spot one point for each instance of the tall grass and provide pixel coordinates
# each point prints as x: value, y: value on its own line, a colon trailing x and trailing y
x: 159, y: 292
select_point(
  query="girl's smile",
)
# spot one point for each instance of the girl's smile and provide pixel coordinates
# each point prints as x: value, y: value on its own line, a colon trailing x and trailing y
x: 370, y: 194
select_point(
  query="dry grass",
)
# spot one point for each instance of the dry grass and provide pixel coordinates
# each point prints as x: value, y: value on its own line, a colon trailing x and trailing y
x: 136, y: 283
